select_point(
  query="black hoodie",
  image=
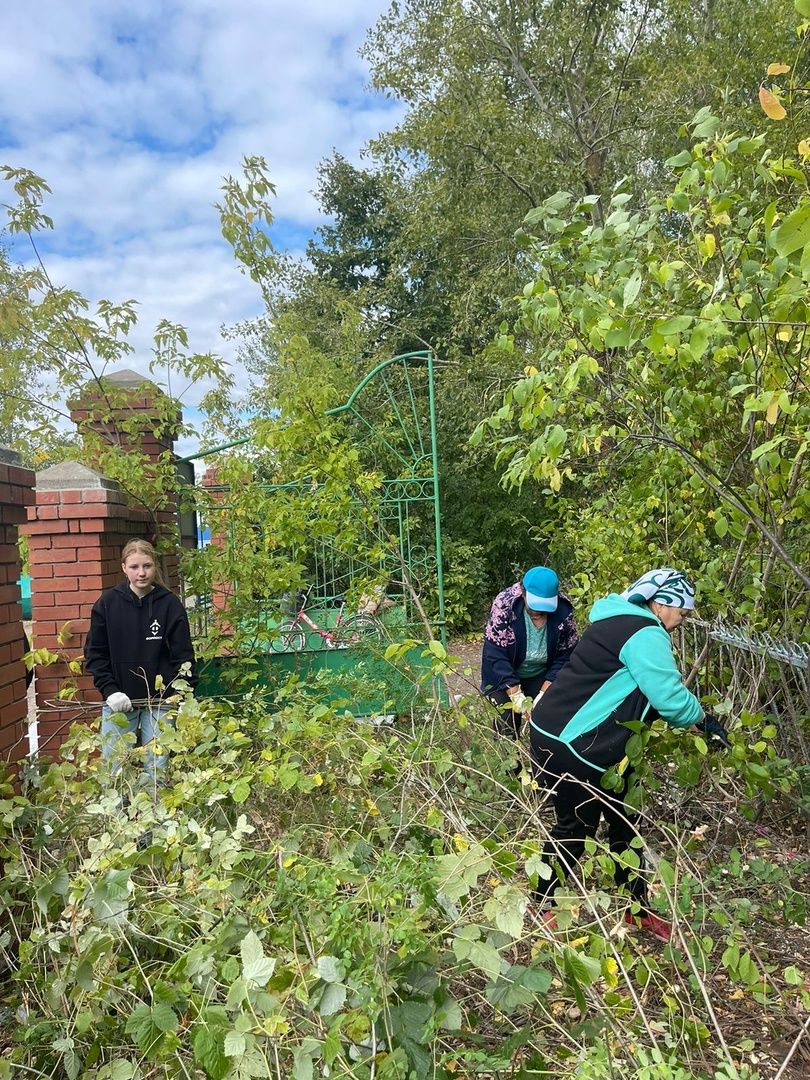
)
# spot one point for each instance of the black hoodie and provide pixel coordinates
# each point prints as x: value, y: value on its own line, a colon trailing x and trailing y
x: 133, y: 639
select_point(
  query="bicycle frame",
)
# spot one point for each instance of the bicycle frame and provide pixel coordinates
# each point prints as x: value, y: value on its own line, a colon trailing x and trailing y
x: 348, y: 630
x: 329, y: 636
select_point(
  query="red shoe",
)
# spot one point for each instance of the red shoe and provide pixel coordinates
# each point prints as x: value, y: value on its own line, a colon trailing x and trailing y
x: 653, y: 924
x: 549, y: 920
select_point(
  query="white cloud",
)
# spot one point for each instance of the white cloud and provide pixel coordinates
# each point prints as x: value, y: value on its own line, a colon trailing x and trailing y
x: 133, y: 113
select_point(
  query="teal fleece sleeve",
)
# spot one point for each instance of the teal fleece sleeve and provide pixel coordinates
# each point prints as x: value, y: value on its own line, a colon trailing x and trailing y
x: 647, y: 655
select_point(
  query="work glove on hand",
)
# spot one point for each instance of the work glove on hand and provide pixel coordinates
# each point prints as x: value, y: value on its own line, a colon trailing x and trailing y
x: 119, y: 703
x: 520, y: 702
x: 717, y: 738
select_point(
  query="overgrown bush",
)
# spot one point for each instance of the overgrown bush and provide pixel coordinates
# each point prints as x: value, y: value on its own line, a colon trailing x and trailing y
x: 310, y: 894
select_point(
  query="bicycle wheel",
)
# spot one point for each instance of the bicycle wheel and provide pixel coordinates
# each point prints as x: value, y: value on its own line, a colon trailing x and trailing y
x: 357, y: 629
x: 288, y: 638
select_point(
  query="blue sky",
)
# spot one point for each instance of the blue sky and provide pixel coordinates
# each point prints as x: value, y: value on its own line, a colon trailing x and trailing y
x: 134, y: 112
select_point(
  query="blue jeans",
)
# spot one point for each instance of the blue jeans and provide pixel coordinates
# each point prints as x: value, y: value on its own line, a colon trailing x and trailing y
x: 143, y: 723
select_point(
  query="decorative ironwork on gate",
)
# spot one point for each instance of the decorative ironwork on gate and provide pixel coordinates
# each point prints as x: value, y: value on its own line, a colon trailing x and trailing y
x: 390, y: 419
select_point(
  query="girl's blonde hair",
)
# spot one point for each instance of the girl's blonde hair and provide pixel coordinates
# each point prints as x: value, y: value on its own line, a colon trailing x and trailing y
x: 142, y: 547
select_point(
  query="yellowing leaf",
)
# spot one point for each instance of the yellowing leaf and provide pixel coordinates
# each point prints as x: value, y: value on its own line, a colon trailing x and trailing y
x: 709, y: 244
x: 804, y: 148
x: 772, y: 411
x: 778, y: 69
x: 771, y: 105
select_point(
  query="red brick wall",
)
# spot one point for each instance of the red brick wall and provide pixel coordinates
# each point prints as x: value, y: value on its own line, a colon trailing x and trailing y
x: 16, y: 492
x: 75, y: 542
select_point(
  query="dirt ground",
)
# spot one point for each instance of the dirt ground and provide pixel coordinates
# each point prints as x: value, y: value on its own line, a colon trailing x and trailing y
x: 466, y: 678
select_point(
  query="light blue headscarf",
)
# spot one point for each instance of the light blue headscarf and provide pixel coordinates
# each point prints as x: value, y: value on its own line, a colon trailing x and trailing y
x: 666, y: 586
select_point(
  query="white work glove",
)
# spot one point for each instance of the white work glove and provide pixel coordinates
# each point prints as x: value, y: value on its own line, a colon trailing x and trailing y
x: 520, y: 702
x: 119, y: 703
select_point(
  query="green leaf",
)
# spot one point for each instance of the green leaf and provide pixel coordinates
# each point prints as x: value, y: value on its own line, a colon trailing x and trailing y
x: 720, y: 524
x: 209, y: 1051
x: 585, y: 969
x: 706, y: 128
x: 163, y: 1017
x: 505, y: 909
x: 678, y: 161
x: 333, y: 999
x: 486, y: 957
x: 766, y: 447
x: 255, y: 965
x: 479, y: 953
x: 666, y: 872
x: 700, y: 743
x: 456, y: 874
x: 235, y: 1044
x: 448, y: 1014
x: 618, y: 338
x: 794, y: 232
x: 631, y: 289
x: 302, y: 1065
x: 676, y: 325
x: 329, y: 969
x: 558, y: 201
x: 793, y: 977
x: 149, y: 1025
x: 437, y: 649
x: 536, y: 864
x: 519, y: 986
x: 240, y: 791
x: 803, y: 8
x: 118, y: 1069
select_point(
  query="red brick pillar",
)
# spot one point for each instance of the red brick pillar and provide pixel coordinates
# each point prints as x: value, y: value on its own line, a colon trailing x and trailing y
x: 221, y: 588
x: 16, y: 492
x: 128, y: 411
x: 76, y: 529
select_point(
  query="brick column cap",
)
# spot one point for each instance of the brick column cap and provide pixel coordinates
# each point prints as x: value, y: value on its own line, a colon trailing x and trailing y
x: 73, y: 476
x: 126, y: 377
x: 140, y: 393
x: 10, y: 457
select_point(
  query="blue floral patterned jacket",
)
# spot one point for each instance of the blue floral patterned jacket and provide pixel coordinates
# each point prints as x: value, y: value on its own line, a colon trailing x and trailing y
x: 505, y: 639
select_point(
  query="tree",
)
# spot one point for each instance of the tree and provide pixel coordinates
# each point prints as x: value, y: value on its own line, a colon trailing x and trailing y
x: 666, y: 399
x: 53, y: 347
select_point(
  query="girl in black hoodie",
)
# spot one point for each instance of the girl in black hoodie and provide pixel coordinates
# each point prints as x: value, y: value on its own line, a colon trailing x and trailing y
x: 138, y: 631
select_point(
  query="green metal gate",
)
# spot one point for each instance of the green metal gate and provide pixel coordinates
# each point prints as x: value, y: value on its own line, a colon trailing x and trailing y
x: 390, y: 420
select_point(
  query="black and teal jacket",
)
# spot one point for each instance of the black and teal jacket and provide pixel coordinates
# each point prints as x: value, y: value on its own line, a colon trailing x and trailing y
x: 622, y: 669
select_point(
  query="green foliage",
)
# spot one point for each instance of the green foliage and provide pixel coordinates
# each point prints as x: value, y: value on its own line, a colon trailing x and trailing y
x: 466, y: 586
x: 310, y: 891
x: 665, y: 400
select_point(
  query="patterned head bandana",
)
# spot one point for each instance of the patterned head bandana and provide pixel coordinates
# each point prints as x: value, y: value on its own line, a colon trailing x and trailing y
x: 666, y: 586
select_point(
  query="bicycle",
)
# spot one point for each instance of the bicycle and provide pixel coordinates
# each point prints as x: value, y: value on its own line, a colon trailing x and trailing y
x: 348, y: 631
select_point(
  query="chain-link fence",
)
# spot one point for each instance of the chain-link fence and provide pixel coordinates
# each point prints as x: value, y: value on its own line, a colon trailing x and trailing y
x: 755, y: 672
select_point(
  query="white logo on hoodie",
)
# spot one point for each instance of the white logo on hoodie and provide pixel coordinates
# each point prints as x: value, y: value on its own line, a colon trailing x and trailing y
x: 154, y: 629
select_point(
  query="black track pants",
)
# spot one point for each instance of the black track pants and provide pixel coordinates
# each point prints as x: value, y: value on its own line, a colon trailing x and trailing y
x: 508, y: 722
x: 579, y: 805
